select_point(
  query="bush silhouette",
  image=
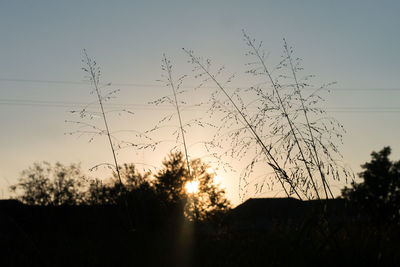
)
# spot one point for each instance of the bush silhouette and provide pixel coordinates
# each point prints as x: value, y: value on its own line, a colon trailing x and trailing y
x: 379, y: 194
x: 206, y: 203
x: 46, y: 184
x: 112, y: 191
x: 150, y: 198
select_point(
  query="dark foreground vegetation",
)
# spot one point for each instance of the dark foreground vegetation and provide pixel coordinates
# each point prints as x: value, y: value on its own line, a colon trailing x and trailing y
x: 100, y: 236
x: 155, y: 222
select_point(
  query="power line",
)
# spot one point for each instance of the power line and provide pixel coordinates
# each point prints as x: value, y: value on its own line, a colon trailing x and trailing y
x: 40, y: 81
x: 31, y: 101
x: 12, y: 100
x: 75, y: 82
x: 71, y: 105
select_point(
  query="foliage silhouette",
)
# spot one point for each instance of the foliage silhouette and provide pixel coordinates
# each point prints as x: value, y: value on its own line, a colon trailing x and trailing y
x: 379, y: 193
x: 46, y: 184
x: 151, y: 198
x: 137, y: 190
x: 207, y: 203
x: 111, y: 191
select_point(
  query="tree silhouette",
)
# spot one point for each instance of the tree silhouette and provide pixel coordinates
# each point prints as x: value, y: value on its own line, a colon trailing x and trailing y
x: 207, y: 202
x: 136, y: 188
x: 379, y: 194
x: 111, y: 191
x: 150, y: 198
x: 145, y: 205
x: 45, y: 184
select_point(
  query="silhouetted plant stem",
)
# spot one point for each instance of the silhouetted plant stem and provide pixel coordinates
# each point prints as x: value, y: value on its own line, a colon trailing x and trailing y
x: 285, y: 113
x: 95, y: 81
x: 313, y: 145
x: 168, y: 69
x: 272, y: 162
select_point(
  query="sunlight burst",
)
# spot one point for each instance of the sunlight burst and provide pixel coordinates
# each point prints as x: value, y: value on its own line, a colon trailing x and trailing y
x: 192, y: 187
x: 217, y: 179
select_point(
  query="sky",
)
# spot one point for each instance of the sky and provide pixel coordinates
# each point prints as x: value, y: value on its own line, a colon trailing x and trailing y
x: 353, y: 43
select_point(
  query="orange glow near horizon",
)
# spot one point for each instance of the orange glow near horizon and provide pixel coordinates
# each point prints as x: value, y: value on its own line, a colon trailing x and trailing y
x: 192, y: 187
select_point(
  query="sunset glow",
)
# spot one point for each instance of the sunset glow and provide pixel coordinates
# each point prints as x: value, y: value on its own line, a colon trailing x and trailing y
x: 200, y: 133
x: 217, y: 179
x: 192, y: 187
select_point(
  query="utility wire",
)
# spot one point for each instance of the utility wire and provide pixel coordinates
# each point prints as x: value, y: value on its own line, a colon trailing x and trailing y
x: 159, y: 85
x: 77, y: 105
x: 73, y: 103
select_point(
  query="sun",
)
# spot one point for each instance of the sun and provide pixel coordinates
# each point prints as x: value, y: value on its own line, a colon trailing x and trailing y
x: 217, y: 179
x: 192, y: 187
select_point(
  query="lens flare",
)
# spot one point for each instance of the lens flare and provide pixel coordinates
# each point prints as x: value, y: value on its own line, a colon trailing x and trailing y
x: 192, y: 187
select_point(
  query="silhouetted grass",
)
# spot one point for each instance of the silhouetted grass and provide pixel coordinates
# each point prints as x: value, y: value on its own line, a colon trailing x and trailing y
x: 289, y: 131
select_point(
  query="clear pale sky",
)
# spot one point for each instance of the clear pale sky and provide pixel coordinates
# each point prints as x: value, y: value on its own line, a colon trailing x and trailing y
x: 354, y: 43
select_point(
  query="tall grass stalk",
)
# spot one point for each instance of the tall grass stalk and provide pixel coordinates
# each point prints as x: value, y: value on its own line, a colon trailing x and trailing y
x: 93, y: 72
x: 279, y: 172
x: 94, y: 79
x: 296, y: 136
x: 167, y: 67
x: 261, y: 59
x: 313, y: 152
x: 310, y: 138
